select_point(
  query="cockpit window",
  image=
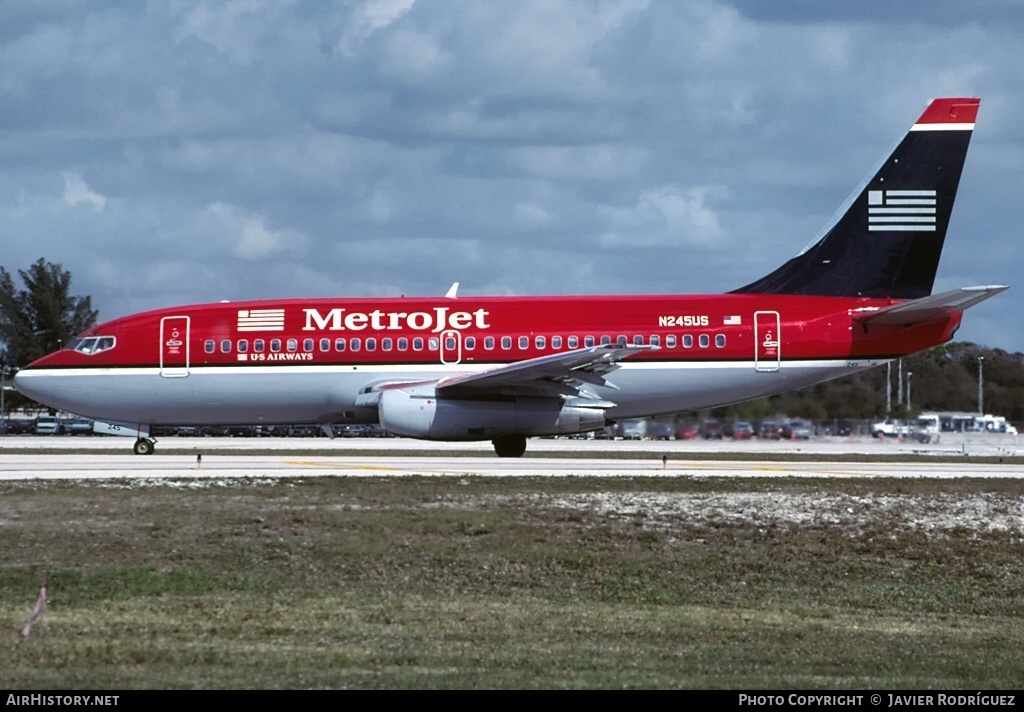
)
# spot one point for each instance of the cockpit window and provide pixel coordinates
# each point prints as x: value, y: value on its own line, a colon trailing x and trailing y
x: 91, y: 345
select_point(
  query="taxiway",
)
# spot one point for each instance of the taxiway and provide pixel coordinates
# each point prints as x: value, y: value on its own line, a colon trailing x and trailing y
x: 67, y: 458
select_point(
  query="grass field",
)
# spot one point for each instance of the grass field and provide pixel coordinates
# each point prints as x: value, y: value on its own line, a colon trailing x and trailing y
x: 514, y: 583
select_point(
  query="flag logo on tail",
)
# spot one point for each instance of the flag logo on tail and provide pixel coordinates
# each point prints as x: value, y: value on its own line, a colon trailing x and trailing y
x: 901, y: 210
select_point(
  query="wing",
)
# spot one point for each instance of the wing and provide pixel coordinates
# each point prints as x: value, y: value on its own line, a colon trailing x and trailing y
x: 936, y: 306
x: 564, y: 374
x: 560, y: 375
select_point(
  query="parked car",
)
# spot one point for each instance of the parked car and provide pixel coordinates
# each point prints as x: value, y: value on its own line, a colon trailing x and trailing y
x: 635, y: 429
x: 799, y: 429
x: 79, y: 426
x: 47, y: 425
x: 770, y: 430
x: 840, y: 427
x: 889, y: 428
x: 711, y: 429
x: 21, y: 426
x: 660, y: 431
x: 742, y: 430
x: 686, y: 431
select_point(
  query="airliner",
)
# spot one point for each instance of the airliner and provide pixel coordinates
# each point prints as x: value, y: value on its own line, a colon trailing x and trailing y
x: 504, y: 369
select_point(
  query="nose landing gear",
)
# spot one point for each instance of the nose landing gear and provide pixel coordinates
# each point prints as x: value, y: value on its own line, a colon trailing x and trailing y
x: 144, y: 446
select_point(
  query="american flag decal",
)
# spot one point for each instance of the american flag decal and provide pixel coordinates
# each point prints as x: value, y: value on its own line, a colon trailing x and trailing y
x: 901, y: 210
x: 732, y: 321
x: 261, y: 319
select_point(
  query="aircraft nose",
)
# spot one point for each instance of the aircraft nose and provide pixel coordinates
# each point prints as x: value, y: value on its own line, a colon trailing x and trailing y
x: 23, y: 384
x: 38, y: 385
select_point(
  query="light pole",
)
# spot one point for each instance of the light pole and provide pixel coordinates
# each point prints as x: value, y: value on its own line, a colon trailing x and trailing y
x: 4, y: 372
x: 888, y: 388
x: 981, y: 397
x: 899, y: 383
x: 909, y: 376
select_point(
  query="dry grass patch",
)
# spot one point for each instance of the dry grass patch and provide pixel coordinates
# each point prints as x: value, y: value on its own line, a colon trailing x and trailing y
x: 514, y: 582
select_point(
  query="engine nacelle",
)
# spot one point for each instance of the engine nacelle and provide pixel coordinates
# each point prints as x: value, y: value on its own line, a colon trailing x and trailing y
x: 418, y: 413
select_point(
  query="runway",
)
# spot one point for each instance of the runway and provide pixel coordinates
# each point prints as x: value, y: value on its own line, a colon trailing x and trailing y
x: 66, y: 458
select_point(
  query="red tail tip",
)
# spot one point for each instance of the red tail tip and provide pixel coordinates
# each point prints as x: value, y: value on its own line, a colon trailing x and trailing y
x: 951, y: 111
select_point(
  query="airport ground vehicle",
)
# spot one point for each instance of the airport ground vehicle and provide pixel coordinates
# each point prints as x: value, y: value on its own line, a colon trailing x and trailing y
x: 889, y: 428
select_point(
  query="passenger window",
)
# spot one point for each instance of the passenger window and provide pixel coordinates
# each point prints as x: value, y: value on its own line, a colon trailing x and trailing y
x: 417, y: 343
x: 705, y: 341
x: 470, y: 343
x: 556, y: 342
x: 606, y: 340
x: 621, y: 340
x: 403, y: 344
x: 307, y: 345
x: 339, y: 344
x: 488, y: 342
x: 293, y: 345
x: 325, y: 344
x: 655, y: 340
x: 540, y: 342
x: 687, y: 341
x: 385, y: 344
x: 433, y: 344
x: 506, y: 342
x: 209, y: 347
x: 355, y: 344
x: 524, y: 342
x: 259, y: 345
x: 720, y: 340
x: 225, y: 346
x: 588, y: 341
x: 243, y: 346
x: 574, y: 342
x: 670, y: 341
x: 371, y: 344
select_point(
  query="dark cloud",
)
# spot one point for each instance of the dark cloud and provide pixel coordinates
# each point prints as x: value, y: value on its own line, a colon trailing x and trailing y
x: 941, y: 13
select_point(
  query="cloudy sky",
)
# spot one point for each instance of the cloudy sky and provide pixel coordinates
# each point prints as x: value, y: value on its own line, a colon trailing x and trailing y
x: 179, y: 151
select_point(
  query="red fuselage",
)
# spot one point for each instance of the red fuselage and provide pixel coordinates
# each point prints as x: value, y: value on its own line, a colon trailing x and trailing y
x: 494, y: 330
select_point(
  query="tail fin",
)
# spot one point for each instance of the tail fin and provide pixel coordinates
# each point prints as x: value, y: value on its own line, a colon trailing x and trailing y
x: 888, y: 241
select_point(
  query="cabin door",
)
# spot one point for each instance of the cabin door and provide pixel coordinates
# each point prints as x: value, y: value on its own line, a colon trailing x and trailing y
x: 767, y: 341
x: 174, y: 346
x: 451, y: 346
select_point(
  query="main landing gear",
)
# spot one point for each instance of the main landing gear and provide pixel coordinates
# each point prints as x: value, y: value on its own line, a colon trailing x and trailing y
x: 509, y: 446
x: 144, y: 446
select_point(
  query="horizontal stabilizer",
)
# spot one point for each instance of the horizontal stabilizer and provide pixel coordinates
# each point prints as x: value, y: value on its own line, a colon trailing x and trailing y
x: 925, y: 309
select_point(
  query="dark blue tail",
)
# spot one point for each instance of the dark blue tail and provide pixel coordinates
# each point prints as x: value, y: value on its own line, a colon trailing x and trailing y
x: 888, y: 241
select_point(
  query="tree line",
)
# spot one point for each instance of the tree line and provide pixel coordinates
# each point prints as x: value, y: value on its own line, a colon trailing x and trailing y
x: 42, y: 314
x: 944, y: 378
